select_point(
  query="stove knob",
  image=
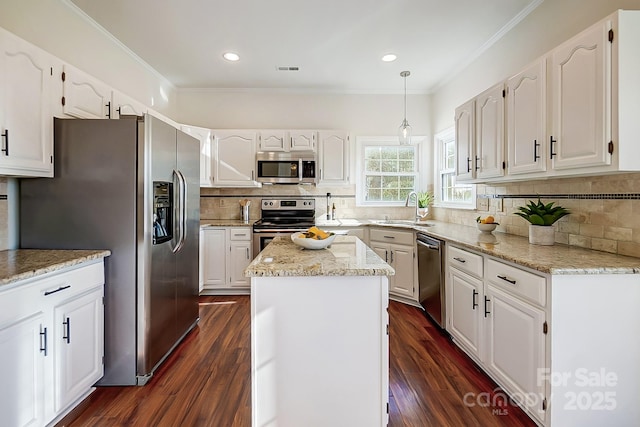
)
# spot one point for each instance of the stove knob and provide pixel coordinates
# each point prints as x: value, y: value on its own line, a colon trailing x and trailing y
x: 270, y: 203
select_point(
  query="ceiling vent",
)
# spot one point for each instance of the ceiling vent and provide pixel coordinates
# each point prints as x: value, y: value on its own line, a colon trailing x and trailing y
x: 288, y: 68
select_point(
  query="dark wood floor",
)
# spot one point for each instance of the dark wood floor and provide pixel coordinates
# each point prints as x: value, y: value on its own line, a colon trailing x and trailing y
x: 207, y: 380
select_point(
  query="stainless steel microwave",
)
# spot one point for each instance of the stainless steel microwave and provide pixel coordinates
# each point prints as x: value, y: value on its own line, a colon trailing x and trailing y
x: 286, y: 168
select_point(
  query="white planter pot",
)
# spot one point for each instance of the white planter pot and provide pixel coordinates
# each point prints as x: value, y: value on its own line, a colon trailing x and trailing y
x: 542, y: 235
x: 423, y: 212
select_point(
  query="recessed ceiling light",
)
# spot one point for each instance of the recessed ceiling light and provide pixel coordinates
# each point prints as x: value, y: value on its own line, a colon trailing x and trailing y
x: 230, y: 56
x: 389, y: 57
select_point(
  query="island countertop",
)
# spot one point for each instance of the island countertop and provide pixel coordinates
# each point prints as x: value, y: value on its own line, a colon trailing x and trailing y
x: 347, y: 256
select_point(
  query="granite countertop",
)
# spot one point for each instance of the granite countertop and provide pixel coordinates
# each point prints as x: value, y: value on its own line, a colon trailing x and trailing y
x: 347, y: 256
x: 226, y: 223
x: 20, y: 264
x: 556, y: 259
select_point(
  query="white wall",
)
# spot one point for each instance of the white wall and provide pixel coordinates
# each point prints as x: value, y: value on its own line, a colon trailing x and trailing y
x: 360, y: 114
x: 57, y: 27
x: 553, y: 22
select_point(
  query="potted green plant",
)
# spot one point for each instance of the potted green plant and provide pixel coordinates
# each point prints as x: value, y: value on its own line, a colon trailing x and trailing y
x: 541, y: 217
x: 424, y: 199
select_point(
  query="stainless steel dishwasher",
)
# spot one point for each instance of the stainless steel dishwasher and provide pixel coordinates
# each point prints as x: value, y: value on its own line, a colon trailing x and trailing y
x: 431, y: 277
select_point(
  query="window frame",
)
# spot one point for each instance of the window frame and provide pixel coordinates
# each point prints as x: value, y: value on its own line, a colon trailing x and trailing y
x: 386, y: 141
x: 439, y: 139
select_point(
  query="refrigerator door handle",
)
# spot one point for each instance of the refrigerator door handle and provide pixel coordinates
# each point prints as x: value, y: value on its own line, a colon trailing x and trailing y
x: 180, y: 210
x: 183, y: 202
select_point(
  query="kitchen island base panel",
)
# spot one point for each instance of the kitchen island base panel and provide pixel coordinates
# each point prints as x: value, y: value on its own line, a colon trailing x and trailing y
x: 320, y: 351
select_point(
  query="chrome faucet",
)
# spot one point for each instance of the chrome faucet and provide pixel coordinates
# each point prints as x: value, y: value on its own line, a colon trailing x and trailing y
x: 418, y: 217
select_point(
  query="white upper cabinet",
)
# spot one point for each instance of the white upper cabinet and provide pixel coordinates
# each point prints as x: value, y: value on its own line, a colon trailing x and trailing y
x: 574, y: 112
x: 204, y: 136
x: 489, y: 137
x: 26, y: 119
x: 281, y: 140
x: 234, y: 159
x: 273, y: 140
x: 580, y: 96
x: 526, y: 124
x: 465, y: 131
x: 334, y: 157
x: 302, y: 140
x: 84, y: 96
x: 124, y: 105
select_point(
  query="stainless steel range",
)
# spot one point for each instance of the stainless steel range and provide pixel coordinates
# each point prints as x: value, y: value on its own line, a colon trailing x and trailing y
x: 282, y: 216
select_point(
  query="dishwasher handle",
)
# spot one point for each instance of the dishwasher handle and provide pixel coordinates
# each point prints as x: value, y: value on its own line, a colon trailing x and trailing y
x: 435, y: 248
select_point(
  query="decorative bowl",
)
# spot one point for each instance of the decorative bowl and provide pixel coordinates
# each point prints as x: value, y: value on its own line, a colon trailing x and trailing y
x: 486, y: 228
x: 312, y: 243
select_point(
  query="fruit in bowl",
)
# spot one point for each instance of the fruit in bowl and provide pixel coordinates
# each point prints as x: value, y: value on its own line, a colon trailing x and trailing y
x: 313, y: 238
x: 487, y: 224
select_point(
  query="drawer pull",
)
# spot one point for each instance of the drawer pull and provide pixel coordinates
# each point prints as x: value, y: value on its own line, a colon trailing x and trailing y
x: 389, y: 237
x: 239, y: 234
x: 462, y: 260
x: 61, y: 288
x: 473, y: 300
x: 506, y: 279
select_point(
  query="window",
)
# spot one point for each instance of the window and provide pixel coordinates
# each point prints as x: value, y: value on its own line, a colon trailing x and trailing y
x: 448, y: 193
x: 389, y: 171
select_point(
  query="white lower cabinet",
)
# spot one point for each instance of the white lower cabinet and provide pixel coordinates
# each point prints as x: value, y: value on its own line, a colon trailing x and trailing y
x: 239, y: 259
x: 515, y: 347
x: 497, y: 314
x: 51, y: 344
x: 466, y: 311
x: 22, y: 372
x: 227, y: 251
x: 397, y: 248
x: 79, y: 341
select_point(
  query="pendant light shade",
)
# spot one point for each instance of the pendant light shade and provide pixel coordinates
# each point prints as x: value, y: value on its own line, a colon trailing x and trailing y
x: 404, y: 131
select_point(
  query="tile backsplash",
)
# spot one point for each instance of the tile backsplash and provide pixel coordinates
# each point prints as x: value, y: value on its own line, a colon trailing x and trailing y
x: 605, y: 210
x: 223, y: 203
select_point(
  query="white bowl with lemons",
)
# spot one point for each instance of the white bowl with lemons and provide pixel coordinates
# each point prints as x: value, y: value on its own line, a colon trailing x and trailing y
x: 313, y: 238
x: 486, y: 225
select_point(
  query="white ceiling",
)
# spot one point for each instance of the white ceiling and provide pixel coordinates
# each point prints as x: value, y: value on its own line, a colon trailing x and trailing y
x: 337, y: 44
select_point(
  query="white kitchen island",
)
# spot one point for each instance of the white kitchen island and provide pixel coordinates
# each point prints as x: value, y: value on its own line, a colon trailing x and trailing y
x: 319, y: 335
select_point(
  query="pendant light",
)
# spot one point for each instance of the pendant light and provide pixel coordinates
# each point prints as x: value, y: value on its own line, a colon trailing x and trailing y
x: 404, y: 131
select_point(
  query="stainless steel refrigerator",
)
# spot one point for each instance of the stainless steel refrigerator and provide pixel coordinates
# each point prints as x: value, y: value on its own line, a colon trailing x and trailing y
x: 131, y: 186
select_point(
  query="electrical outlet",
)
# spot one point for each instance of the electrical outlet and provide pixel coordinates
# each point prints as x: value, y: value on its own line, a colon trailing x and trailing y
x: 221, y: 203
x: 483, y: 204
x: 500, y: 204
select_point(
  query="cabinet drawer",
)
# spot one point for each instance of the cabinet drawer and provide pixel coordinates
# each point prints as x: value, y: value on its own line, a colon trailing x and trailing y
x: 465, y: 261
x: 33, y: 294
x: 243, y: 233
x: 518, y: 282
x: 392, y: 236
